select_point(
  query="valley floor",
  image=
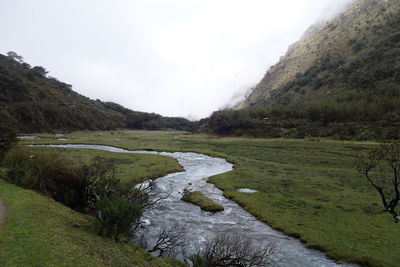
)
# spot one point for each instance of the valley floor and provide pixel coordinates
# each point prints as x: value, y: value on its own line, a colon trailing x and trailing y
x: 307, y: 188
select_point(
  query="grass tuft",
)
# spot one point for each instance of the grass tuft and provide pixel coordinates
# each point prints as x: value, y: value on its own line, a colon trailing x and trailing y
x: 199, y: 199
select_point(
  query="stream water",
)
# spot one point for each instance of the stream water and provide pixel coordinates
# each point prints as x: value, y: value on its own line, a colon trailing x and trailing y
x: 200, y: 225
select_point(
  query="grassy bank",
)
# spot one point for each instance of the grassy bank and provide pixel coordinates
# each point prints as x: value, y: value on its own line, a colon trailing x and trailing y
x: 307, y: 188
x: 205, y: 203
x: 128, y: 166
x: 41, y: 232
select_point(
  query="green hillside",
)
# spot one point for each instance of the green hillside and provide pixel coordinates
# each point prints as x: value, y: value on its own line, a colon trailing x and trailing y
x: 41, y: 232
x: 32, y: 102
x: 341, y: 78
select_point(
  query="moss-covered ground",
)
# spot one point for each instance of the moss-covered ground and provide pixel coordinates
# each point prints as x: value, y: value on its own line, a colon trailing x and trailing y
x: 307, y: 188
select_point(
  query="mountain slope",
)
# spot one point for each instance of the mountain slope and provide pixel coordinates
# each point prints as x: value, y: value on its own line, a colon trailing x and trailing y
x: 341, y: 78
x: 341, y: 53
x: 32, y: 102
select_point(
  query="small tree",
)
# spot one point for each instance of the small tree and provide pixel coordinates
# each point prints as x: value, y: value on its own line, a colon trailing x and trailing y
x: 15, y: 56
x: 7, y: 139
x: 117, y: 216
x: 39, y: 71
x: 114, y: 204
x: 381, y: 167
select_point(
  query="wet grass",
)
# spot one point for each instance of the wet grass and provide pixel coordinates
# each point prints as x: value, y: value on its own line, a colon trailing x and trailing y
x: 199, y: 199
x: 41, y: 232
x: 307, y: 188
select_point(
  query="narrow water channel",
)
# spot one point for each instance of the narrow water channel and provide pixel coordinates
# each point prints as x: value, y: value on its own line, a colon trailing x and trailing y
x: 201, y: 225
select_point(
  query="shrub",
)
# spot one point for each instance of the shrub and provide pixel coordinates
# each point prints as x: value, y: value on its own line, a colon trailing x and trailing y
x: 7, y: 140
x: 16, y: 157
x: 94, y: 188
x: 46, y: 171
x: 16, y: 161
x: 48, y: 174
x: 116, y: 206
x: 117, y: 216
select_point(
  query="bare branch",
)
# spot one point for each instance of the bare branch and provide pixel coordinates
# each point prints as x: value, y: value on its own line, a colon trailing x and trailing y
x: 232, y: 249
x: 169, y: 240
x: 381, y: 167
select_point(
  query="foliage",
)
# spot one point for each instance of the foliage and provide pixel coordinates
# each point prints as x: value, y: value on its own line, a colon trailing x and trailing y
x: 39, y: 71
x: 116, y: 206
x: 32, y: 102
x: 150, y: 121
x: 116, y: 216
x: 13, y: 55
x: 7, y: 140
x: 342, y: 74
x: 49, y: 174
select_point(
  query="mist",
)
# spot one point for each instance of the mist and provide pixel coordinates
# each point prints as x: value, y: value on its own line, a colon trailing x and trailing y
x: 175, y: 57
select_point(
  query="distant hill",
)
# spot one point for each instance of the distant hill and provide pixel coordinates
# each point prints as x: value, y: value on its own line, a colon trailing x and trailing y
x: 343, y: 71
x: 32, y: 102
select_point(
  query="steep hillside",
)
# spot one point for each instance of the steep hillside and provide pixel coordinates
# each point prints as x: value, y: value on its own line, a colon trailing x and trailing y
x: 41, y: 232
x: 32, y: 102
x: 344, y: 71
x: 359, y: 49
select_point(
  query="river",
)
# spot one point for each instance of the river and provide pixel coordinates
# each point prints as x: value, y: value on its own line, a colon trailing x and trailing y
x: 201, y: 225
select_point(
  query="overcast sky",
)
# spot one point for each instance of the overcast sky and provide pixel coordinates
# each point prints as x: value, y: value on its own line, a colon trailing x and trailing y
x: 173, y: 57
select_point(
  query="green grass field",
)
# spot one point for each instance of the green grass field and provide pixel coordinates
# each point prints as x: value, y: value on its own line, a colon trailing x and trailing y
x: 307, y: 188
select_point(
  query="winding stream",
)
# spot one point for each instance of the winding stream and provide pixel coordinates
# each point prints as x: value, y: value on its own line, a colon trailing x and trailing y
x: 201, y: 225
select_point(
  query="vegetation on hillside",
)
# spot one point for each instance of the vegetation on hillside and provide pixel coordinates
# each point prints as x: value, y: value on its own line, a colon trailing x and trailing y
x: 39, y: 231
x: 342, y: 78
x: 30, y: 101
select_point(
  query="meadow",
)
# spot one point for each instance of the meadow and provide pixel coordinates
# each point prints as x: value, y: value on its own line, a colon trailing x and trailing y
x: 308, y: 188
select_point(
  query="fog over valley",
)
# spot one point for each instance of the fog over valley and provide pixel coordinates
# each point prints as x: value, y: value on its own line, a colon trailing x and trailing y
x: 175, y: 58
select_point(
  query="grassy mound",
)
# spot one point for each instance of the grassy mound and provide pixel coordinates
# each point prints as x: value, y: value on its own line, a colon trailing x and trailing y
x: 205, y: 203
x: 41, y: 232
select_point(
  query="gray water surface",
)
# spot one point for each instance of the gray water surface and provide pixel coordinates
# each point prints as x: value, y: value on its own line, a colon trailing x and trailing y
x: 200, y: 225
